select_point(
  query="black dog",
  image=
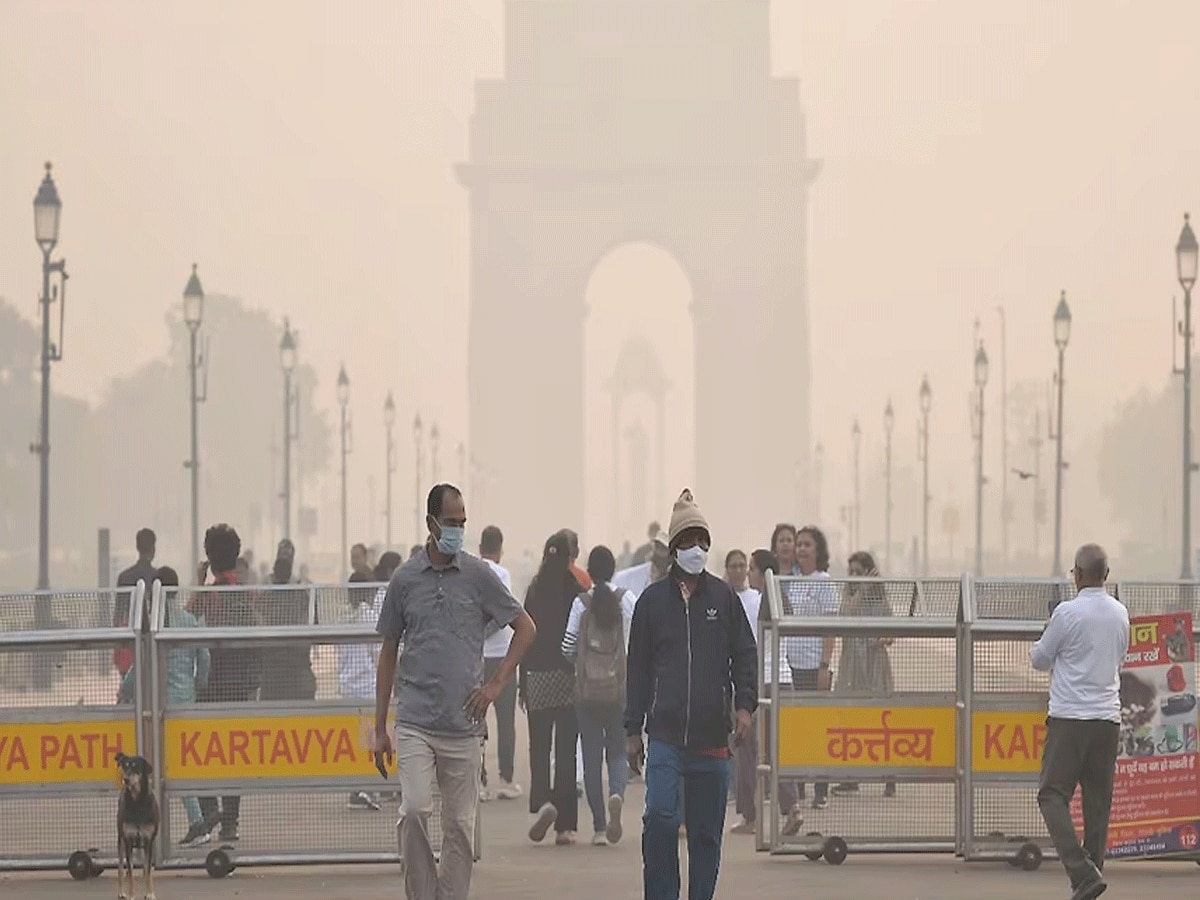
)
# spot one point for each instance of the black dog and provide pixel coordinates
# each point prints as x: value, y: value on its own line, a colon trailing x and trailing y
x: 137, y: 824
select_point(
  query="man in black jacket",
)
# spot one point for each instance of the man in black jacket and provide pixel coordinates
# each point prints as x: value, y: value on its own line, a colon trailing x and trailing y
x: 691, y: 659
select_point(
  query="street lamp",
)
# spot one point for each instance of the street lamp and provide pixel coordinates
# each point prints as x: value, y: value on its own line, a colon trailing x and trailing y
x: 1062, y: 335
x: 981, y: 377
x: 193, y: 316
x: 856, y: 436
x: 925, y: 398
x: 889, y: 422
x: 389, y: 420
x: 287, y: 361
x: 1185, y: 261
x: 818, y: 472
x: 343, y: 398
x: 417, y: 446
x: 434, y: 437
x: 47, y: 215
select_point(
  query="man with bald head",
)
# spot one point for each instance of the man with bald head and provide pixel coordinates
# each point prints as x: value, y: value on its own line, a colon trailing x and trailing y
x: 1082, y: 648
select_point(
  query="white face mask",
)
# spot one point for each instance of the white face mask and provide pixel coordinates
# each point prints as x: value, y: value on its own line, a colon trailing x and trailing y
x: 692, y: 560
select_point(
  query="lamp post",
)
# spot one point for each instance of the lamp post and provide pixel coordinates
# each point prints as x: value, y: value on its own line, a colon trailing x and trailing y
x: 47, y: 214
x: 1003, y: 438
x: 434, y: 437
x: 981, y: 376
x: 287, y: 362
x: 889, y: 422
x: 193, y: 316
x: 1062, y: 334
x: 417, y: 447
x: 1185, y: 261
x: 343, y: 398
x: 925, y: 397
x: 856, y: 437
x: 818, y: 472
x: 389, y: 421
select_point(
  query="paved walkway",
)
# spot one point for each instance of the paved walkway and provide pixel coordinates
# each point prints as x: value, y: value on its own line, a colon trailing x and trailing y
x: 512, y: 868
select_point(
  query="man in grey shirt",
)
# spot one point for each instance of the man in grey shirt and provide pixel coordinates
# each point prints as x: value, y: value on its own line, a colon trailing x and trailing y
x: 441, y: 603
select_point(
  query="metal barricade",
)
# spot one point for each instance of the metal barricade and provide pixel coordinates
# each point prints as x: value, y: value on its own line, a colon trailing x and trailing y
x: 886, y: 738
x: 1005, y: 700
x: 276, y: 749
x: 65, y: 712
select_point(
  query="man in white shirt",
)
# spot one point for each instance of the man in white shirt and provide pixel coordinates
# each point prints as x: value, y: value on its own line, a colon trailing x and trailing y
x: 495, y: 647
x: 1083, y: 648
x: 637, y: 578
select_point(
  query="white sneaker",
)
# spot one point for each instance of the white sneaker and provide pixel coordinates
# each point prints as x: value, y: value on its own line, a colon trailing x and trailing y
x: 545, y: 818
x: 614, y: 830
x: 484, y: 795
x: 508, y: 790
x: 599, y: 839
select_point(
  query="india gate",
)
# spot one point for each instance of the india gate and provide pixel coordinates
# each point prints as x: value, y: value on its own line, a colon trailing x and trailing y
x: 654, y: 121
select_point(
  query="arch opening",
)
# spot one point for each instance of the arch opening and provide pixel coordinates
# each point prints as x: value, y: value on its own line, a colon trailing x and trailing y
x: 639, y: 364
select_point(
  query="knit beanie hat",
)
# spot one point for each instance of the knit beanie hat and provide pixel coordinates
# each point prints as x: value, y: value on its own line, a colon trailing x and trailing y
x: 685, y: 515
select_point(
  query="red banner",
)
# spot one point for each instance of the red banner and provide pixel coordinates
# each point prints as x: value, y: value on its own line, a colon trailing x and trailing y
x: 1156, y: 793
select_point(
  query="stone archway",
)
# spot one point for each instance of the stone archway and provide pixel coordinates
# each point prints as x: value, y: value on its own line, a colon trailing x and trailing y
x: 621, y: 122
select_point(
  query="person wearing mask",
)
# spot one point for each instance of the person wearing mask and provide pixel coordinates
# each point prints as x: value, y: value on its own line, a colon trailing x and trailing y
x: 495, y: 648
x: 287, y: 668
x: 234, y: 672
x: 809, y: 594
x: 547, y: 692
x: 142, y: 570
x: 735, y: 576
x: 1083, y: 649
x: 595, y: 640
x: 689, y: 643
x: 440, y: 603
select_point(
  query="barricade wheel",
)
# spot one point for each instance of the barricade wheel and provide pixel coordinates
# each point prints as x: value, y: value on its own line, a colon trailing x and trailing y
x: 1029, y: 857
x: 815, y: 855
x: 835, y: 851
x: 80, y: 865
x: 1013, y: 860
x: 218, y: 864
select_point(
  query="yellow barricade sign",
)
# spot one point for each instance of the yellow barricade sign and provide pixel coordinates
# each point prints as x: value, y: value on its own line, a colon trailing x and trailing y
x: 908, y: 737
x: 61, y: 752
x: 1007, y: 741
x: 311, y: 746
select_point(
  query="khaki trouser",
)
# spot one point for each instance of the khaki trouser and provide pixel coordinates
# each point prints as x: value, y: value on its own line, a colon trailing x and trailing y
x: 455, y: 762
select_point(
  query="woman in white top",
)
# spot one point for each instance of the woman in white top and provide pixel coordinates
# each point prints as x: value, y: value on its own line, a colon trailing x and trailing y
x: 595, y: 639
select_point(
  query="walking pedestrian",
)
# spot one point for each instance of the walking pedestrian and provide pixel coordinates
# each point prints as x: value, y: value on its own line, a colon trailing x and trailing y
x: 235, y: 673
x: 440, y: 603
x: 548, y: 693
x: 596, y: 640
x: 689, y: 643
x: 495, y: 648
x: 1083, y: 648
x: 357, y: 663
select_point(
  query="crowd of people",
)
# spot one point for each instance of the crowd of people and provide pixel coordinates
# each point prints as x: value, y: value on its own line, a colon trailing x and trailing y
x: 652, y: 669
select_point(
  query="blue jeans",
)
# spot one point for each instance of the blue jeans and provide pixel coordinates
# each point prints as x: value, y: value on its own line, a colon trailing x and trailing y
x: 670, y: 772
x: 602, y: 734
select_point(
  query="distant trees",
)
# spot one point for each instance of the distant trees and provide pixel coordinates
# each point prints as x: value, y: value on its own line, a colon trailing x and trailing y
x: 120, y: 464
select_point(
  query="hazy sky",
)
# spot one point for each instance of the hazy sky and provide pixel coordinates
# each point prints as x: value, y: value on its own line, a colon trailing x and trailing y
x: 974, y: 153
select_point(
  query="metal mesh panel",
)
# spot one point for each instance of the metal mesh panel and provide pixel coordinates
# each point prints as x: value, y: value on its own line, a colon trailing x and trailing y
x: 1002, y: 667
x: 316, y: 821
x: 52, y: 678
x: 60, y: 826
x: 918, y: 813
x: 1015, y: 600
x: 1145, y: 599
x: 1004, y: 812
x: 59, y: 610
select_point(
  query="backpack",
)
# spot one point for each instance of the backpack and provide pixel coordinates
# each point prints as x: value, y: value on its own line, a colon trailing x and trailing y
x: 600, y: 663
